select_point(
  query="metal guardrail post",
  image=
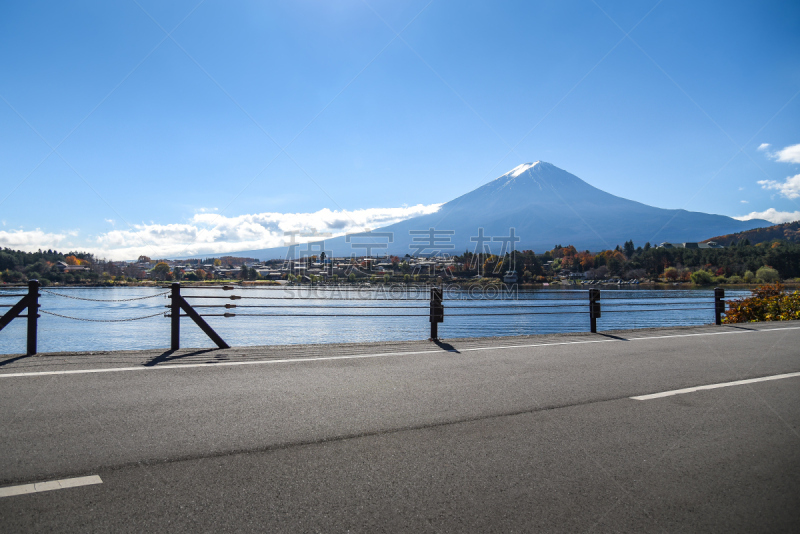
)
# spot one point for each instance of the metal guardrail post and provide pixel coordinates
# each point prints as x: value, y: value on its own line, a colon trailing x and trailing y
x: 719, y: 304
x: 33, y: 315
x: 437, y: 312
x: 175, y: 312
x: 594, y: 308
x: 179, y: 303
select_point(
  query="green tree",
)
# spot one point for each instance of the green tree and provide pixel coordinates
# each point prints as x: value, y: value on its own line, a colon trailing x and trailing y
x: 7, y: 261
x: 749, y: 277
x: 629, y: 248
x: 351, y: 277
x: 614, y: 266
x: 702, y: 278
x: 767, y: 275
x: 13, y: 276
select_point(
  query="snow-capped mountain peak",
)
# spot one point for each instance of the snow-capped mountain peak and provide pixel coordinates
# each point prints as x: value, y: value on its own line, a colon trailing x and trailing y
x: 519, y: 169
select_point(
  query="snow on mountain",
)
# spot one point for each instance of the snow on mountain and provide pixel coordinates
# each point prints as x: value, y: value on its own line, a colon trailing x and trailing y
x: 519, y: 169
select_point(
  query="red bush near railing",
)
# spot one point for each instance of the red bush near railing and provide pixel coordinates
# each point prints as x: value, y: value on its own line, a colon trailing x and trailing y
x: 768, y: 303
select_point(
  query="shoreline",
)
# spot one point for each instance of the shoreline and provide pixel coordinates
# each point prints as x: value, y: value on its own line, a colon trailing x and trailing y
x: 272, y: 284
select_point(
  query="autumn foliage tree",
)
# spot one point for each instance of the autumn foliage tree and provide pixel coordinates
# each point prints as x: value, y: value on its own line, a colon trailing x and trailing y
x: 72, y: 260
x: 671, y: 274
x: 560, y: 252
x: 586, y: 260
x: 615, y: 260
x: 768, y: 303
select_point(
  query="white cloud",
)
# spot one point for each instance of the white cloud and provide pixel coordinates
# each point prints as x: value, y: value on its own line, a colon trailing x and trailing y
x: 30, y: 240
x: 744, y: 201
x: 790, y: 154
x: 789, y: 189
x: 209, y: 233
x: 772, y: 215
x: 763, y: 146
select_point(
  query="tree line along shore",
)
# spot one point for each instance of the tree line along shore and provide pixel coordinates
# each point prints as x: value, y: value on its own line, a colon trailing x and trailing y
x: 738, y: 263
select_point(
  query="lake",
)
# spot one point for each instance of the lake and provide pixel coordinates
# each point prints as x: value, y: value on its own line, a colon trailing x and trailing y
x: 293, y: 315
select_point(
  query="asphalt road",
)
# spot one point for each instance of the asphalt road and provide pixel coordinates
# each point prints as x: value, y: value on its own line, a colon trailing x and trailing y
x: 514, y: 435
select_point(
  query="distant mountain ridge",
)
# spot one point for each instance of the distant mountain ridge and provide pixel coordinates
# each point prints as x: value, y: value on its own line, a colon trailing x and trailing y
x: 546, y: 206
x: 786, y: 232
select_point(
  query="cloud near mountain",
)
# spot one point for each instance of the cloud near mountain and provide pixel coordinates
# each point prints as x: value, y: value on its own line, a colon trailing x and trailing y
x: 210, y: 233
x: 772, y: 215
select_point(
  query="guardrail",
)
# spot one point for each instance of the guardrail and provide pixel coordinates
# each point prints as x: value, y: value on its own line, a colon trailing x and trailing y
x: 434, y: 309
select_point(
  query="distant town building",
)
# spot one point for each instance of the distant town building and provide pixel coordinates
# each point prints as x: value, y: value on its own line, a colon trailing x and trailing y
x: 63, y: 267
x: 709, y: 244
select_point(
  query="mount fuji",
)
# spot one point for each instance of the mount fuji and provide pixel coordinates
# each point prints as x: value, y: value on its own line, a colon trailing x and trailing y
x: 546, y: 206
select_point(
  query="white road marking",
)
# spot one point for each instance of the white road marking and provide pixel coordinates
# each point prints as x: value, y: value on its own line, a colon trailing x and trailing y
x: 37, y: 487
x: 359, y: 356
x: 713, y: 386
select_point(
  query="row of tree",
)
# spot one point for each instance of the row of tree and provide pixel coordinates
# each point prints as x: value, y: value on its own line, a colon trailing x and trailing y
x: 777, y: 258
x: 18, y: 266
x: 738, y: 262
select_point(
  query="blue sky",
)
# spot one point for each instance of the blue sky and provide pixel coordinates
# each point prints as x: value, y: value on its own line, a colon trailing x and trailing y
x: 214, y: 126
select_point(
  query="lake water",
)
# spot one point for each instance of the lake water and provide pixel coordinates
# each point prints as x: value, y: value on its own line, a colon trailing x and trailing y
x: 305, y: 315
